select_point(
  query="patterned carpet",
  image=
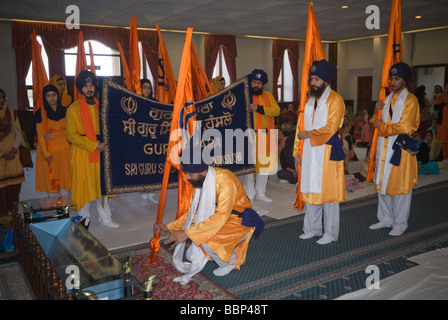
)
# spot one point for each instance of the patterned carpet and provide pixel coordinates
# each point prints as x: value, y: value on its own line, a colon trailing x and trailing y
x: 13, y: 285
x: 280, y: 266
x: 199, y: 288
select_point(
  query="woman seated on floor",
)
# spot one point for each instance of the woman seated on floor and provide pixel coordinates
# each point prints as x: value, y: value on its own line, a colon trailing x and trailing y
x: 429, y: 160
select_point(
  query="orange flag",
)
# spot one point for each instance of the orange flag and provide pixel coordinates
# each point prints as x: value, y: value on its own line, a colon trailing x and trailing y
x: 126, y: 72
x: 201, y: 84
x: 183, y: 117
x: 40, y: 80
x: 81, y: 62
x: 393, y: 55
x: 313, y: 52
x: 134, y: 59
x: 166, y: 83
x: 92, y: 62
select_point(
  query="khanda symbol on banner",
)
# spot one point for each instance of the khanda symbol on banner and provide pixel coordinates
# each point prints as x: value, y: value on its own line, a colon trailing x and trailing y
x: 129, y: 105
x: 229, y: 100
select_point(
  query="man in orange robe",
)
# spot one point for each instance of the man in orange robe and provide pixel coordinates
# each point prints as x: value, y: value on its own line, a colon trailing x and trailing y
x: 264, y: 108
x: 215, y: 222
x: 322, y: 182
x: 395, y: 180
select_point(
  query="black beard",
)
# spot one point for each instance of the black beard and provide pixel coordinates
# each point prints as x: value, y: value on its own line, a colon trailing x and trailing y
x: 197, y: 183
x: 318, y: 92
x: 257, y: 91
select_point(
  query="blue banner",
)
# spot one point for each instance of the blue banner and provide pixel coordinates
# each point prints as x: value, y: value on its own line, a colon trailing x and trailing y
x: 136, y: 132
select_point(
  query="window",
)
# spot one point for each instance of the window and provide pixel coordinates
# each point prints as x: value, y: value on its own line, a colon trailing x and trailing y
x: 145, y: 72
x: 29, y: 76
x: 285, y: 80
x: 221, y: 67
x: 107, y: 61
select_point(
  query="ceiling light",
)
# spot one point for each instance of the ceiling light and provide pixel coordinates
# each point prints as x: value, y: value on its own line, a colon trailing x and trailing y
x: 418, y: 17
x: 344, y: 7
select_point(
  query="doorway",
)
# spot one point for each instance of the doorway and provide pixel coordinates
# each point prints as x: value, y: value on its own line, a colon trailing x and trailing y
x: 364, y: 93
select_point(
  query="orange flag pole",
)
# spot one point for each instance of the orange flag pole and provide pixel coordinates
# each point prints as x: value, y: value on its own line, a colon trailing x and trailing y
x: 394, y: 54
x: 154, y: 244
x: 183, y: 102
x: 134, y: 58
x: 166, y: 83
x: 40, y: 80
x: 313, y: 52
x: 126, y: 72
x: 200, y: 80
x: 81, y: 62
x: 92, y: 62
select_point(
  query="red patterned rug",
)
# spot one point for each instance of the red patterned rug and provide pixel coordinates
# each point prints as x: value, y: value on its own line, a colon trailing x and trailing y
x: 199, y: 288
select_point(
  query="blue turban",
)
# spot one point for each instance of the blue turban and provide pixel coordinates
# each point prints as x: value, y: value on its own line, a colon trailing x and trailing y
x: 260, y: 75
x: 401, y: 70
x: 323, y: 70
x: 191, y: 159
x: 85, y: 77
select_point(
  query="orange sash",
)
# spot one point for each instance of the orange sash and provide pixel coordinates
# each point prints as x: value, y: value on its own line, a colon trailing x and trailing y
x: 54, y: 183
x: 440, y: 98
x: 259, y: 120
x: 87, y: 124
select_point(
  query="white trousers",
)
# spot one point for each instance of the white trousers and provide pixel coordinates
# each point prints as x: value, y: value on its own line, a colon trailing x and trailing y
x: 61, y: 192
x: 393, y: 211
x: 255, y: 183
x: 103, y: 211
x: 221, y: 263
x: 312, y: 223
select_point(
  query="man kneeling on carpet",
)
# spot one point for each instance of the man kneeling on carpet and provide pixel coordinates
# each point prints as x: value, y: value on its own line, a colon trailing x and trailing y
x: 219, y: 223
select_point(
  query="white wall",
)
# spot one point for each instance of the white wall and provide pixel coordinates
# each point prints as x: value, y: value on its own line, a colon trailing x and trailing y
x: 431, y: 47
x: 365, y: 58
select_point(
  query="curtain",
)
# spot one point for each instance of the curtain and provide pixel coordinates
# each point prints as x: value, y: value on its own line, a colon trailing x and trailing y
x: 278, y: 50
x: 56, y: 38
x: 212, y: 44
x: 23, y: 62
x: 56, y: 59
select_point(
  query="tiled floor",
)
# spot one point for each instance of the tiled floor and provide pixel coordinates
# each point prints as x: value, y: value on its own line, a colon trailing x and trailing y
x: 137, y: 216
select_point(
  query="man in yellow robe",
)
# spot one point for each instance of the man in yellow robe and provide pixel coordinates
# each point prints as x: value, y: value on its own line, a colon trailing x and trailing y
x: 83, y: 127
x: 322, y: 175
x: 216, y: 222
x: 395, y: 181
x: 265, y: 108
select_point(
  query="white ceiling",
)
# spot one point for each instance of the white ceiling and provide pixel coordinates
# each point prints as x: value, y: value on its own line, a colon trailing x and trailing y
x: 270, y: 18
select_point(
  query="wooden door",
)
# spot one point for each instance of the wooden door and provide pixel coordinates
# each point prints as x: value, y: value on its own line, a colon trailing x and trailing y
x: 364, y: 93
